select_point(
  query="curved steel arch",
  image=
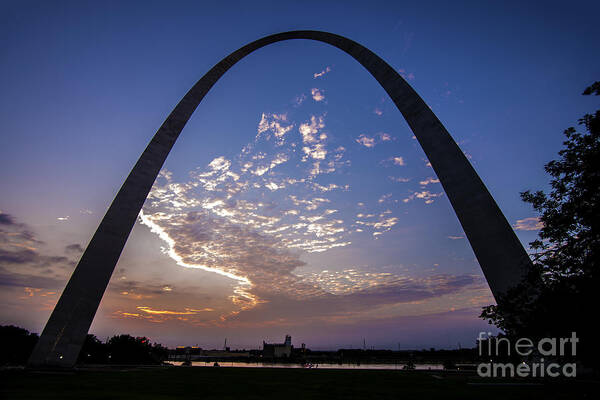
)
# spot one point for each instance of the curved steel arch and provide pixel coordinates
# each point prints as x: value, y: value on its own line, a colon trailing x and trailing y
x: 499, y: 252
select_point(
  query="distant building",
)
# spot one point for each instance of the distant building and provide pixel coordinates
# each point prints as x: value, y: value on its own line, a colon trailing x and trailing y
x: 278, y: 350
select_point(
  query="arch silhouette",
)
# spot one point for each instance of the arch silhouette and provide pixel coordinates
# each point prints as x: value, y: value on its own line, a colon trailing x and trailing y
x: 499, y: 252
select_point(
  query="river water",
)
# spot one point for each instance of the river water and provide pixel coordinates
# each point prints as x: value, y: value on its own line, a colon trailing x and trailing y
x: 398, y: 366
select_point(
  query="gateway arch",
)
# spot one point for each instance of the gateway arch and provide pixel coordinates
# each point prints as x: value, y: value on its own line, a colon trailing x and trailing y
x: 497, y: 248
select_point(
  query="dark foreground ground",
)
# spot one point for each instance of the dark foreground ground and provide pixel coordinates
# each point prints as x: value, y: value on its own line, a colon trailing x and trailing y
x: 272, y: 383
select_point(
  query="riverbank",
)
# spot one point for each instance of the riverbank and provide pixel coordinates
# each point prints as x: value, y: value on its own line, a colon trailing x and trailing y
x: 276, y: 383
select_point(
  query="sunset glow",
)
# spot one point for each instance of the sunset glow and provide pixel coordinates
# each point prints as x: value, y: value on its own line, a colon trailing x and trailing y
x: 296, y: 200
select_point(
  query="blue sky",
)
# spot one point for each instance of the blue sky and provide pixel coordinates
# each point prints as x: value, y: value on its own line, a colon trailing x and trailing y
x: 86, y: 84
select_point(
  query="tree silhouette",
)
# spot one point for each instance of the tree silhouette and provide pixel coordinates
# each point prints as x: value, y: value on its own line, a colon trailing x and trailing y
x: 93, y: 351
x: 559, y: 295
x: 16, y: 344
x: 126, y: 349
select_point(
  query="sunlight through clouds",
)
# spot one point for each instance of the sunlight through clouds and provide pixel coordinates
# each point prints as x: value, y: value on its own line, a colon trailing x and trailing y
x: 255, y: 216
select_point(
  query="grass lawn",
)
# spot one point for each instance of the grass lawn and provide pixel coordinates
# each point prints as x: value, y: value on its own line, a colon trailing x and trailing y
x: 276, y: 383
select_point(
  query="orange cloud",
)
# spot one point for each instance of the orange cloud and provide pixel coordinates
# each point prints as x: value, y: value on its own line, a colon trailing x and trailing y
x: 528, y: 224
x: 187, y: 311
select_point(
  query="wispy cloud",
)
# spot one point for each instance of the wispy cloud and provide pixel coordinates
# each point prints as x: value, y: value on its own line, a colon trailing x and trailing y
x: 371, y: 141
x: 406, y: 75
x: 395, y: 160
x: 366, y: 141
x: 382, y: 225
x: 252, y: 217
x: 528, y: 224
x: 26, y: 262
x: 429, y: 181
x: 424, y: 195
x: 298, y: 100
x: 19, y: 247
x: 186, y: 311
x: 384, y: 198
x: 385, y: 137
x: 323, y: 72
x: 74, y: 248
x: 398, y: 161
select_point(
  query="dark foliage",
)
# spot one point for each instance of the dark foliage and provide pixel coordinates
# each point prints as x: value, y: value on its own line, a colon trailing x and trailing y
x: 16, y: 344
x: 559, y: 295
x: 93, y: 351
x: 122, y: 349
x: 126, y: 349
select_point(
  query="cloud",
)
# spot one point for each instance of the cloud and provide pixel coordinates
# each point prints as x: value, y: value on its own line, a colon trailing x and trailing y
x: 378, y: 112
x: 254, y: 218
x: 214, y: 222
x: 353, y: 295
x: 310, y: 205
x: 398, y: 161
x: 246, y: 219
x: 323, y: 72
x: 272, y: 186
x: 74, y: 248
x: 309, y: 130
x: 195, y: 316
x: 384, y: 198
x: 331, y: 296
x: 197, y: 239
x: 425, y: 195
x: 26, y: 264
x: 18, y: 256
x: 385, y: 137
x: 315, y: 140
x: 317, y: 94
x: 19, y: 246
x: 329, y: 187
x: 352, y: 282
x: 186, y: 311
x: 31, y: 257
x: 274, y: 125
x: 6, y: 219
x: 456, y: 237
x: 528, y: 224
x: 398, y: 179
x: 370, y: 142
x: 317, y: 151
x: 12, y: 231
x: 366, y: 141
x: 10, y: 278
x: 298, y: 100
x: 259, y: 252
x: 382, y: 225
x: 406, y: 75
x: 428, y: 181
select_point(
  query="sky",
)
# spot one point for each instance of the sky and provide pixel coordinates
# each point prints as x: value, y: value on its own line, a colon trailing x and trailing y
x: 296, y: 200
